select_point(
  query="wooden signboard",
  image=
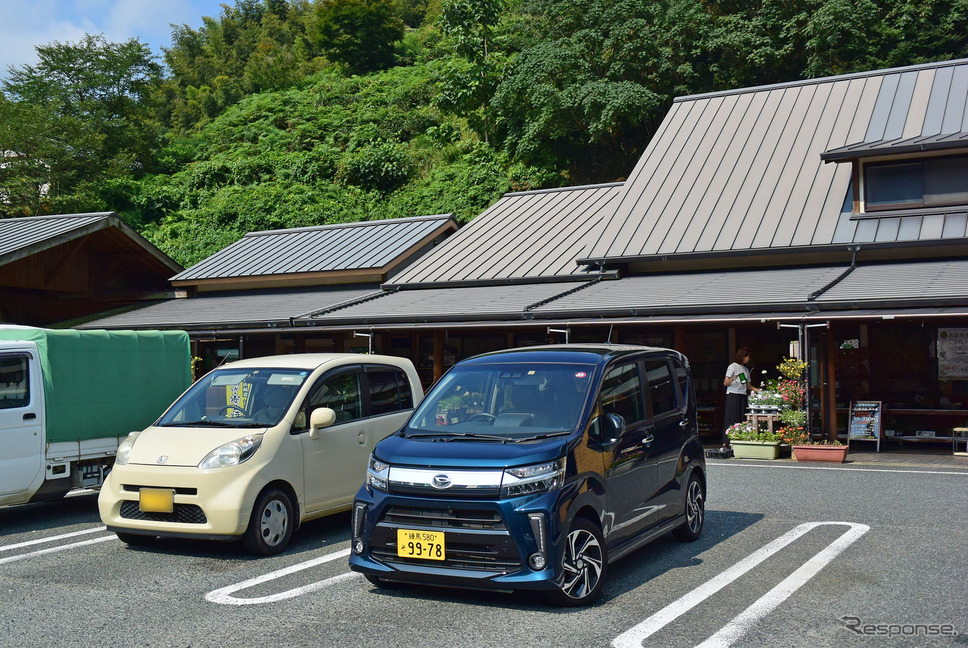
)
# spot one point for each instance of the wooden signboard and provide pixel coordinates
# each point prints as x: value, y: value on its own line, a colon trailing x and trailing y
x: 865, y: 422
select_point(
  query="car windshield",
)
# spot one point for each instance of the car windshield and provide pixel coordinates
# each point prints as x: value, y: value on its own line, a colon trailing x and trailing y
x: 506, y: 402
x: 236, y: 398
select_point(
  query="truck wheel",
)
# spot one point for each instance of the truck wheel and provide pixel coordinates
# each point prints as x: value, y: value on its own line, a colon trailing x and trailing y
x: 583, y: 566
x: 270, y: 526
x: 695, y: 510
x: 134, y: 539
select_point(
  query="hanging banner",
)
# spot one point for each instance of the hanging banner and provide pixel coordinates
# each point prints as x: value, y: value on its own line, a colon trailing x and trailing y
x: 952, y: 353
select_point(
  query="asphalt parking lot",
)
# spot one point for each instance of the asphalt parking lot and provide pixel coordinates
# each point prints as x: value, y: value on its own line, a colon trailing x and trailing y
x: 868, y: 553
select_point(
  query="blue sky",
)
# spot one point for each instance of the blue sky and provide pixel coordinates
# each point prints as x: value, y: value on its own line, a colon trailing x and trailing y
x: 24, y: 24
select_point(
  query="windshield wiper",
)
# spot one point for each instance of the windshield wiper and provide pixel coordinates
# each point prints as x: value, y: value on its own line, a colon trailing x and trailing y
x: 202, y: 423
x: 546, y: 435
x: 463, y: 435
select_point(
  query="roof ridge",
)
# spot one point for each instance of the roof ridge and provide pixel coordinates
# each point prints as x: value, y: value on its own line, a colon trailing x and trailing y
x: 364, y: 223
x: 602, y: 185
x: 65, y: 216
x: 819, y: 80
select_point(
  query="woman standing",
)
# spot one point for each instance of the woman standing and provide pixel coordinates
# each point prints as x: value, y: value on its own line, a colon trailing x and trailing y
x: 737, y: 383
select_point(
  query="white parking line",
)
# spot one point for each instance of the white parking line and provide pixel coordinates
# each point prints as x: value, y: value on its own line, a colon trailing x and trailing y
x: 73, y: 545
x: 223, y: 595
x: 961, y: 473
x: 634, y: 637
x: 20, y: 545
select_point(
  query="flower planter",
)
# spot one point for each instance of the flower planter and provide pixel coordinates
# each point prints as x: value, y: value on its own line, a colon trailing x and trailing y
x: 831, y: 453
x: 756, y: 449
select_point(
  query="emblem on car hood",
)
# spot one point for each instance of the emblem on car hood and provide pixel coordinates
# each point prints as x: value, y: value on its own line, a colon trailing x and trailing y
x: 441, y: 481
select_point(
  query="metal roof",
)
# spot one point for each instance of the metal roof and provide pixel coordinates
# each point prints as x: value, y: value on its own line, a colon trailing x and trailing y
x: 942, y: 282
x: 525, y: 235
x: 328, y: 248
x: 226, y: 310
x: 447, y: 304
x: 742, y: 170
x: 724, y: 291
x: 22, y: 237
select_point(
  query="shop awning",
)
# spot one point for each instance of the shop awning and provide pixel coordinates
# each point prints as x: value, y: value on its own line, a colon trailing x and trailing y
x: 469, y: 303
x: 262, y: 309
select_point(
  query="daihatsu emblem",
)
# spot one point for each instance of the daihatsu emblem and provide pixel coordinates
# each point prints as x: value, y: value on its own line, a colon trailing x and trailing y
x: 441, y: 481
x: 162, y: 459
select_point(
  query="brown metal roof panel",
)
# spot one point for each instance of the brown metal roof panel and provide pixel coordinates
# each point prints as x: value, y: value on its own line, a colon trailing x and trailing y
x: 910, y: 228
x: 796, y: 176
x: 954, y: 114
x: 937, y: 101
x: 726, y: 289
x: 815, y: 208
x: 231, y: 309
x: 762, y: 164
x: 927, y: 280
x: 679, y: 177
x: 472, y: 302
x: 658, y: 155
x: 877, y: 127
x: 901, y: 106
x: 19, y: 233
x: 955, y: 226
x: 914, y: 124
x: 887, y: 229
x: 737, y: 130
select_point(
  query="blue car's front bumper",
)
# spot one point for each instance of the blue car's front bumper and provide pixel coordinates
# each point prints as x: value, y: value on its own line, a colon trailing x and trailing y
x: 489, y: 544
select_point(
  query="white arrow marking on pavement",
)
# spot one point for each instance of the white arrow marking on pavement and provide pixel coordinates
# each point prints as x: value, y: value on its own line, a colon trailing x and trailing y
x: 223, y: 595
x: 737, y: 627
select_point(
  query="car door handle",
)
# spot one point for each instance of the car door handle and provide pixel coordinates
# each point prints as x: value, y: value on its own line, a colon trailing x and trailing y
x: 29, y: 415
x: 684, y: 423
x: 648, y: 439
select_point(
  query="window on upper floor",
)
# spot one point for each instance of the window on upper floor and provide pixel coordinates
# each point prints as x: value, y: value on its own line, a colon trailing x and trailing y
x: 911, y: 184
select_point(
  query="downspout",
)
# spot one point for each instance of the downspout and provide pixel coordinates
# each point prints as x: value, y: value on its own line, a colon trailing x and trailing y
x: 853, y: 264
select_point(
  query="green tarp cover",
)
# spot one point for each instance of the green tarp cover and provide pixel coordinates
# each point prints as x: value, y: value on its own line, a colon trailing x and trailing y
x: 107, y: 383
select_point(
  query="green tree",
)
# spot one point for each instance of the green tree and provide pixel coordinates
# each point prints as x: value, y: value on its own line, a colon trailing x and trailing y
x: 104, y: 85
x: 590, y: 94
x: 360, y: 34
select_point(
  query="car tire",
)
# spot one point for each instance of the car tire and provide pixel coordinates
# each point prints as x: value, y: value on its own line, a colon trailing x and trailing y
x: 270, y: 526
x: 584, y: 565
x: 134, y: 539
x: 694, y: 509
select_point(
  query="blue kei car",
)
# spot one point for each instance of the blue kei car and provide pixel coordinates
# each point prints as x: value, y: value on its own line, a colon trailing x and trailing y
x: 535, y: 469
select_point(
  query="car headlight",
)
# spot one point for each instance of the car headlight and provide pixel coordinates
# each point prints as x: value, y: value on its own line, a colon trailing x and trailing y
x: 537, y: 478
x: 377, y: 473
x: 124, y: 449
x: 232, y: 453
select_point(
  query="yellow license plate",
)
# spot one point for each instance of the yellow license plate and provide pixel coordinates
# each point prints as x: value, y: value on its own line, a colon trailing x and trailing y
x: 420, y: 544
x: 157, y: 500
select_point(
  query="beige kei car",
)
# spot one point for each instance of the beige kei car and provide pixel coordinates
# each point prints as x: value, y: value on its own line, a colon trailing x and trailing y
x: 256, y: 447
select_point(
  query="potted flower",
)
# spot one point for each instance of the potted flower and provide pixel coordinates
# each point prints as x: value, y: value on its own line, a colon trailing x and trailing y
x: 750, y: 442
x: 830, y: 451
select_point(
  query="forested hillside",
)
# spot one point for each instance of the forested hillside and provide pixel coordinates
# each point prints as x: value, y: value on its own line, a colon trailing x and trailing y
x: 285, y: 114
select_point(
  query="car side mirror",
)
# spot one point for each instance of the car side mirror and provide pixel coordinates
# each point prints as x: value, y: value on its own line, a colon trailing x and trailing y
x: 613, y: 427
x: 322, y: 417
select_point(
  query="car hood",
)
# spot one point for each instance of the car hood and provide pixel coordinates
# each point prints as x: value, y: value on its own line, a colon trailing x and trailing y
x: 182, y: 446
x: 434, y: 452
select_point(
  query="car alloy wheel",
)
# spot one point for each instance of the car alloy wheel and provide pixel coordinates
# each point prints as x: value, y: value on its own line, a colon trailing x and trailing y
x: 583, y: 565
x: 694, y: 510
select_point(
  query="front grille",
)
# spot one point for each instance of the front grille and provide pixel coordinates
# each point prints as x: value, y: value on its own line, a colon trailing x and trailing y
x: 475, y: 539
x: 134, y: 488
x: 183, y: 513
x: 405, y: 517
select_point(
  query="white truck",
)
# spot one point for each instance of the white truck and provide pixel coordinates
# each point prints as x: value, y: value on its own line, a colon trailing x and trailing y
x: 68, y: 397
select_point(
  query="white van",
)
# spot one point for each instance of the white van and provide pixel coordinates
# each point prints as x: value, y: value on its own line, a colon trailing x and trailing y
x: 257, y: 447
